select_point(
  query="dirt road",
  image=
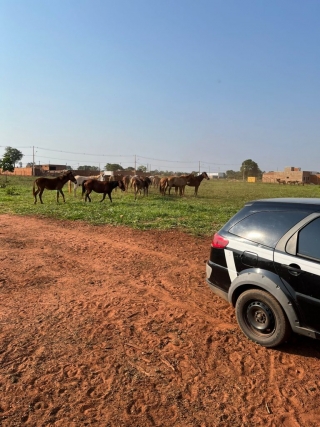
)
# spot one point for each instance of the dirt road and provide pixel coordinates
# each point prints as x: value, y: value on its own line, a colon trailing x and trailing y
x: 108, y: 326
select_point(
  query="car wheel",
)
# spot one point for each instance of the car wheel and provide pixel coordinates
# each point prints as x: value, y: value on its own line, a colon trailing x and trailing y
x: 261, y: 318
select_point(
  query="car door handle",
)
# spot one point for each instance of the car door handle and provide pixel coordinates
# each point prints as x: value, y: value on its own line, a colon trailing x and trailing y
x: 293, y: 269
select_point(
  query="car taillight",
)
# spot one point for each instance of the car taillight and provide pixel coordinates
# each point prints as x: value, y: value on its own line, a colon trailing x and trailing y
x: 219, y: 241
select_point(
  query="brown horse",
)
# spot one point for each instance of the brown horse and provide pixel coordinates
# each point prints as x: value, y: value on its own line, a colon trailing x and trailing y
x: 126, y: 181
x: 179, y: 182
x: 195, y: 181
x: 281, y: 181
x: 163, y: 185
x: 100, y: 187
x: 156, y: 181
x: 57, y: 183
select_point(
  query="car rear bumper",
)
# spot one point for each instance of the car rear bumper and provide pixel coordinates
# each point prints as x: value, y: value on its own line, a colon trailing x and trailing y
x: 213, y: 273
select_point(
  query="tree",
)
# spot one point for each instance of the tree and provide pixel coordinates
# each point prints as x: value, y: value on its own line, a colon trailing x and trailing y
x: 250, y: 168
x: 9, y: 159
x: 90, y: 168
x: 6, y: 163
x: 231, y: 174
x: 142, y: 168
x: 13, y: 154
x: 113, y: 167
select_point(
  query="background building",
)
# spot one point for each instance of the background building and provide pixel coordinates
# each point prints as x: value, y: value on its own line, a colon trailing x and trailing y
x: 291, y: 175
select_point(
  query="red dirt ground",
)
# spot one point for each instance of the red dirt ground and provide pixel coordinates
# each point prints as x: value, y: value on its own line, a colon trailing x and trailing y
x: 108, y: 326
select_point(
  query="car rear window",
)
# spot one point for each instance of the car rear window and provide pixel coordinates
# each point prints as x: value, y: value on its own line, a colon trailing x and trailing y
x: 308, y: 243
x: 266, y: 227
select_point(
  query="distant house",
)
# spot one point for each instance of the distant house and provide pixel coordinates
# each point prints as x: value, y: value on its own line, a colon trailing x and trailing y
x: 292, y: 174
x: 216, y: 175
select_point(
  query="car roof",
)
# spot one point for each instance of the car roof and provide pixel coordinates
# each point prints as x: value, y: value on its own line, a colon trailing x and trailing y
x: 288, y: 202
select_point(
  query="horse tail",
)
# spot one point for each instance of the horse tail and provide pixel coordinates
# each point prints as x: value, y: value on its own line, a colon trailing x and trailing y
x: 69, y: 184
x: 34, y: 188
x: 83, y: 188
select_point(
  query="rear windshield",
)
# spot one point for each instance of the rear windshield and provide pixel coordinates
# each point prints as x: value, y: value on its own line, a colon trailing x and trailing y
x: 267, y: 227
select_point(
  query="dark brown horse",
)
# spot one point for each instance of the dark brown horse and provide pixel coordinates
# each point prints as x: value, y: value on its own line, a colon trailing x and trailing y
x: 139, y: 184
x: 57, y: 183
x: 195, y: 181
x: 100, y: 187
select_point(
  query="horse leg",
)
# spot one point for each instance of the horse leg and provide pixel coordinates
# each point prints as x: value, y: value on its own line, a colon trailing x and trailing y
x: 40, y: 195
x: 165, y: 188
x: 75, y: 186
x: 104, y: 196
x: 58, y: 193
x: 87, y: 196
x: 109, y: 194
x: 35, y: 195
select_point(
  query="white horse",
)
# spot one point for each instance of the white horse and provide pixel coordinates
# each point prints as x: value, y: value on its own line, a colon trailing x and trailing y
x: 80, y: 179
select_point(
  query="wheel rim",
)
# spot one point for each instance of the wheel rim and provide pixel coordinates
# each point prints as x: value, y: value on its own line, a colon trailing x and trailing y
x: 260, y: 318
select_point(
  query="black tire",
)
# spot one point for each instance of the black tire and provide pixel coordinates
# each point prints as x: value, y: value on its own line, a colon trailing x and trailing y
x: 261, y: 318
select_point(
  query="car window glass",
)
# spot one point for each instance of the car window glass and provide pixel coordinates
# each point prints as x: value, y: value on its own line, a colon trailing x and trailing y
x: 308, y: 240
x: 266, y: 227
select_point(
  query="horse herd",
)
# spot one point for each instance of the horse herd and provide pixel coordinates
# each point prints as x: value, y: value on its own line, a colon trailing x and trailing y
x: 105, y: 185
x: 284, y: 182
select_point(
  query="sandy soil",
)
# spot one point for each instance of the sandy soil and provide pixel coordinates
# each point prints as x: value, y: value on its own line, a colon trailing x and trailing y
x: 107, y: 326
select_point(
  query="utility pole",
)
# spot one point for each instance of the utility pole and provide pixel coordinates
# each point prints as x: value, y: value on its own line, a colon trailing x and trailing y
x: 33, y: 161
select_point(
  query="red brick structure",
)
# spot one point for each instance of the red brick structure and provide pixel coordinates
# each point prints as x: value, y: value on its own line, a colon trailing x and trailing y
x: 51, y: 170
x: 292, y: 174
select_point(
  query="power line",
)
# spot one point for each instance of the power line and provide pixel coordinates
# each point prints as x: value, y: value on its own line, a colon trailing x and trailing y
x: 74, y: 161
x: 132, y: 155
x: 84, y: 154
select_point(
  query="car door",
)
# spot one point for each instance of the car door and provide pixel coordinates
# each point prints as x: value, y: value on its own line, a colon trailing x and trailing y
x: 299, y: 266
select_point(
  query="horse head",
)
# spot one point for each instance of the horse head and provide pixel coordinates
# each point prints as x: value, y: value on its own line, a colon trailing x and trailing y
x: 205, y: 175
x: 121, y: 185
x: 70, y: 176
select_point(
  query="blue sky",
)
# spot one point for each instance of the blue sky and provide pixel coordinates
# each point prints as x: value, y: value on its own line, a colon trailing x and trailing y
x: 166, y: 84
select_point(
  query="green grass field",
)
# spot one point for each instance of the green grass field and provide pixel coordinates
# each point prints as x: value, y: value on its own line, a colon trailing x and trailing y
x: 217, y: 201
